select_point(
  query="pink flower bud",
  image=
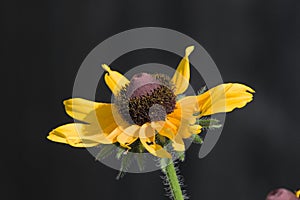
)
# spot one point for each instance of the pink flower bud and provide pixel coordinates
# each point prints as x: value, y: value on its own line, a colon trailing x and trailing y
x: 281, y: 194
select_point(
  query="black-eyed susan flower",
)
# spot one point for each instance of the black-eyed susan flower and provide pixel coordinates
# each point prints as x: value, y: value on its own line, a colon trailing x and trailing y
x: 147, y: 112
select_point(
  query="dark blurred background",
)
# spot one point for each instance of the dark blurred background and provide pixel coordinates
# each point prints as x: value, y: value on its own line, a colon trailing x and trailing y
x: 251, y: 41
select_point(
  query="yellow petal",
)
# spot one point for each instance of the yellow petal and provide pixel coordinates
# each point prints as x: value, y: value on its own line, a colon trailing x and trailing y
x: 182, y: 117
x: 188, y: 105
x: 92, y: 112
x: 178, y: 143
x: 173, y: 120
x: 114, y: 134
x: 164, y: 128
x: 195, y: 129
x: 78, y: 135
x: 184, y: 131
x: 114, y: 80
x: 181, y: 77
x: 224, y: 98
x: 128, y: 136
x: 132, y: 130
x: 184, y: 111
x: 153, y: 148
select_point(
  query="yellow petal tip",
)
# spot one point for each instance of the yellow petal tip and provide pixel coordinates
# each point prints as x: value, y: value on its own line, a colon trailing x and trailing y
x: 67, y: 101
x: 106, y: 67
x: 247, y: 88
x: 189, y: 50
x: 251, y: 90
x: 48, y: 136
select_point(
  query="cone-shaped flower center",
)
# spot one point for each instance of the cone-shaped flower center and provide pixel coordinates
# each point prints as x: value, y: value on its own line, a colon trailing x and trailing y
x: 147, y: 98
x: 142, y: 84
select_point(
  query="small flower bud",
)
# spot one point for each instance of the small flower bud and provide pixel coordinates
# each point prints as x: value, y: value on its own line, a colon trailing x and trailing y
x: 281, y: 194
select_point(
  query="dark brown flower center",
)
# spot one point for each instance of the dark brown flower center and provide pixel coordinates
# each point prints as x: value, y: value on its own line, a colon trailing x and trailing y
x: 147, y: 98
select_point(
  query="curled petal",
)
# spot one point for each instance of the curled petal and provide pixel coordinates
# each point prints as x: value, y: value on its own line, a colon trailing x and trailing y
x: 126, y: 140
x: 181, y: 77
x: 114, y: 80
x: 169, y: 130
x: 78, y: 135
x: 153, y: 148
x: 224, y: 98
x: 128, y: 136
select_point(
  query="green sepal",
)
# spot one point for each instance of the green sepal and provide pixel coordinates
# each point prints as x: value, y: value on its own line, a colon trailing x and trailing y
x: 125, y: 164
x: 202, y: 90
x: 164, y: 162
x: 180, y: 155
x: 211, y: 123
x: 120, y: 152
x: 197, y: 139
x: 140, y: 161
x: 107, y: 150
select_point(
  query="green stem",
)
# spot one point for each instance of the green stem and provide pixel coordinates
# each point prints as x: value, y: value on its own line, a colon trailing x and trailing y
x: 172, y: 179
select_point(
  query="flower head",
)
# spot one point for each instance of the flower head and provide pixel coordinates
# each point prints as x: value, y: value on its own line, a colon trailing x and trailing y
x: 146, y: 111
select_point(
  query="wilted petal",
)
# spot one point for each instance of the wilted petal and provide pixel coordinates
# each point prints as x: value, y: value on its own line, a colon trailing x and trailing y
x: 128, y: 136
x: 155, y: 149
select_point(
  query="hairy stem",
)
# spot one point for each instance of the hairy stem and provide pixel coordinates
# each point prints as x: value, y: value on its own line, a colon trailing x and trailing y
x: 172, y: 179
